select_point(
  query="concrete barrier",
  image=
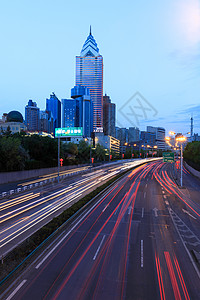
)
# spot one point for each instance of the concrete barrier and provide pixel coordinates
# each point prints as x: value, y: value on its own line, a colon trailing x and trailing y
x: 6, y: 177
x: 192, y: 170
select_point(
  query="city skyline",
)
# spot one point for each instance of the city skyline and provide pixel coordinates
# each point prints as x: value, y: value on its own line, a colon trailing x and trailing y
x: 149, y: 48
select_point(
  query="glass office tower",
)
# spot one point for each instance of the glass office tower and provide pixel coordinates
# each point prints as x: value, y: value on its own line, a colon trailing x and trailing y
x: 89, y: 73
x: 53, y: 105
x: 77, y: 112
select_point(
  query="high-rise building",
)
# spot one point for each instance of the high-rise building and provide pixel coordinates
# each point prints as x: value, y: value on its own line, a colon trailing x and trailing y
x: 89, y: 73
x: 53, y: 105
x: 133, y: 134
x: 32, y: 116
x: 68, y: 112
x: 77, y: 112
x: 122, y: 135
x: 84, y: 109
x: 46, y: 121
x: 43, y: 121
x: 148, y: 138
x: 108, y: 116
x: 160, y: 136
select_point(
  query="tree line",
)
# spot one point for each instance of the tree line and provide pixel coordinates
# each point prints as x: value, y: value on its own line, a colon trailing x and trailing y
x: 20, y: 151
x: 24, y: 152
x: 191, y: 154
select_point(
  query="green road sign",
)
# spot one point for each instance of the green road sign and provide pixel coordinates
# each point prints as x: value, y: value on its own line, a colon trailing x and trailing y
x: 69, y: 131
x: 168, y: 157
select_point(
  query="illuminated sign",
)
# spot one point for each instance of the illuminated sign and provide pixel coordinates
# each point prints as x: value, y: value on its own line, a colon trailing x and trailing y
x: 98, y: 129
x: 69, y: 131
x: 168, y: 157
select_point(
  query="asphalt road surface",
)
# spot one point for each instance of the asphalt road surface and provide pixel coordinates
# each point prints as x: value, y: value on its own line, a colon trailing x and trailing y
x: 138, y: 241
x: 22, y: 214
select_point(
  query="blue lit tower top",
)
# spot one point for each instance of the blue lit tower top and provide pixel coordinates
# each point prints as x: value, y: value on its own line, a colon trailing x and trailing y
x: 89, y: 73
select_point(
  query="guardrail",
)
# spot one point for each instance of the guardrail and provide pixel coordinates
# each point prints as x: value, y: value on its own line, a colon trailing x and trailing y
x: 62, y: 177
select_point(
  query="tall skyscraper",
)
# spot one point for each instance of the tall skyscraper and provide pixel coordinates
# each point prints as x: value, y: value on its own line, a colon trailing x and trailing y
x: 89, y: 73
x: 32, y: 116
x: 108, y: 116
x: 53, y: 105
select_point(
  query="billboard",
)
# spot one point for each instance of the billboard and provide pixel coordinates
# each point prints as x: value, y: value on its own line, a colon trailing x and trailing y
x: 68, y: 131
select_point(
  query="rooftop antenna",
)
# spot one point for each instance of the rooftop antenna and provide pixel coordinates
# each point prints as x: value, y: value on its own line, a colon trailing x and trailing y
x: 90, y: 30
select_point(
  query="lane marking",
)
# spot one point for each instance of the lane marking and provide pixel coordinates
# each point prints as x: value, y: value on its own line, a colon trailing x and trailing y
x: 187, y: 212
x: 146, y: 185
x: 175, y: 225
x: 156, y: 212
x: 105, y: 207
x: 129, y: 210
x: 99, y: 248
x: 142, y: 212
x: 142, y: 253
x: 144, y: 194
x: 37, y: 267
x: 17, y: 289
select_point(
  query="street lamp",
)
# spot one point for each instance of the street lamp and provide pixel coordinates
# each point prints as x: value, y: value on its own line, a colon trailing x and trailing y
x: 180, y: 138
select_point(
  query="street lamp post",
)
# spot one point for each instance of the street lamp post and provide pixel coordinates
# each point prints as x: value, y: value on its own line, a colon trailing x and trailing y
x: 58, y: 157
x: 181, y: 138
x: 181, y: 164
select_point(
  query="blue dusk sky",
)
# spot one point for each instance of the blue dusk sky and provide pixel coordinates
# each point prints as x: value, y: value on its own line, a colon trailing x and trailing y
x: 151, y: 52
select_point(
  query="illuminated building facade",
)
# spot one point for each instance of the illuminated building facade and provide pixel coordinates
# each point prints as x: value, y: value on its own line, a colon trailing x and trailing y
x: 77, y: 112
x: 89, y: 73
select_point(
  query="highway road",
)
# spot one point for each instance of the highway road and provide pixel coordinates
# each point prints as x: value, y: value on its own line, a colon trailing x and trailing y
x: 23, y: 214
x: 138, y: 241
x: 6, y: 187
